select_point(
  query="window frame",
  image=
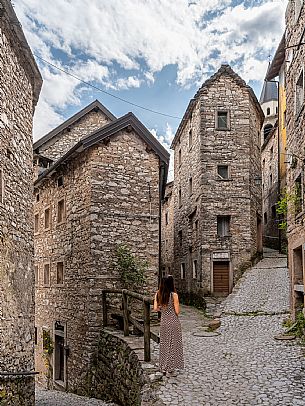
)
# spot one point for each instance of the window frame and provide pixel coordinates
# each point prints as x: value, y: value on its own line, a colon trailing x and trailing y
x: 63, y: 273
x: 44, y: 267
x: 224, y: 216
x: 36, y: 274
x: 298, y: 109
x: 227, y: 128
x: 195, y: 269
x: 63, y: 213
x: 182, y: 271
x: 36, y: 231
x: 44, y: 217
x: 229, y: 172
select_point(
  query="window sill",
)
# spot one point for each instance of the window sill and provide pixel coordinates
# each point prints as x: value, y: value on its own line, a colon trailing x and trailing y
x: 223, y: 180
x: 222, y: 129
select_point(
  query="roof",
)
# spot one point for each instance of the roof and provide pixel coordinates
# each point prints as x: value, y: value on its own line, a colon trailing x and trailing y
x: 269, y: 92
x: 66, y: 124
x: 225, y: 69
x: 20, y: 42
x: 278, y: 60
x: 128, y: 121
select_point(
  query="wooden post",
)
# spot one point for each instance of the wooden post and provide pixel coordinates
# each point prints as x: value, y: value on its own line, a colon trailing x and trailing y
x: 125, y: 312
x: 104, y: 304
x: 146, y: 331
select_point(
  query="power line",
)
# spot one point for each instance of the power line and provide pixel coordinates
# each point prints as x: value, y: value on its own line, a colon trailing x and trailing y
x: 104, y: 91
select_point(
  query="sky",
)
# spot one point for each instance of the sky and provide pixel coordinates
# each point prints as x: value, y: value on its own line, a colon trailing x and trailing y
x: 154, y: 53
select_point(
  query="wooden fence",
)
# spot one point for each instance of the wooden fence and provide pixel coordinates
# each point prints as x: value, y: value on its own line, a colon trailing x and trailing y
x: 128, y: 319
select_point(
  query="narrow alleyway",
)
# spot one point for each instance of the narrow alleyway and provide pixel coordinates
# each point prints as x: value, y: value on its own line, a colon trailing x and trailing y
x: 244, y: 365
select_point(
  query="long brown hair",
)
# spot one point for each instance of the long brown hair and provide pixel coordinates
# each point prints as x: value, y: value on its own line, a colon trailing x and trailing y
x: 165, y: 289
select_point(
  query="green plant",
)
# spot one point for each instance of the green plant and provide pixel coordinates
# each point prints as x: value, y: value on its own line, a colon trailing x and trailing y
x: 48, y: 346
x: 131, y: 268
x: 288, y: 200
x: 298, y: 327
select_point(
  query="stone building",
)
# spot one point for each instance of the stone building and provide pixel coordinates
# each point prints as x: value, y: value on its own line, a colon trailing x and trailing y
x: 295, y: 124
x: 167, y: 230
x: 100, y: 184
x: 274, y: 155
x: 269, y: 157
x: 216, y: 195
x: 20, y: 84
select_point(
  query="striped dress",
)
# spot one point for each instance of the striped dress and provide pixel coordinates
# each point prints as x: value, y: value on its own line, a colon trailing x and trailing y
x: 171, y: 349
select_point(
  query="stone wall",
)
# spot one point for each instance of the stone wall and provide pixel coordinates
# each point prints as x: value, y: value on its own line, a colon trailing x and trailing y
x: 116, y: 373
x: 19, y: 89
x: 58, y: 145
x: 167, y: 231
x: 239, y: 196
x: 295, y: 125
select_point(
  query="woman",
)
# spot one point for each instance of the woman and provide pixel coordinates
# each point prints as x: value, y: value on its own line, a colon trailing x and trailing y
x: 171, y: 350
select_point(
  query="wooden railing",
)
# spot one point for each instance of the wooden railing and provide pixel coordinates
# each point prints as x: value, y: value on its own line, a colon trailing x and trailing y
x: 128, y: 319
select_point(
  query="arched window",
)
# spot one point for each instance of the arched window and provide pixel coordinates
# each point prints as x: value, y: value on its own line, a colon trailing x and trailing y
x: 267, y: 129
x: 268, y: 111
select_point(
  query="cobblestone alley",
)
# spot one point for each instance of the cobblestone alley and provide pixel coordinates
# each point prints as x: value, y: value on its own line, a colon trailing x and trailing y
x: 244, y: 365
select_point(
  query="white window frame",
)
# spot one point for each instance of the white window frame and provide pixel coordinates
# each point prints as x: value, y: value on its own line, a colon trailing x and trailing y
x: 195, y: 269
x: 64, y: 211
x: 43, y: 279
x: 63, y: 272
x: 182, y: 270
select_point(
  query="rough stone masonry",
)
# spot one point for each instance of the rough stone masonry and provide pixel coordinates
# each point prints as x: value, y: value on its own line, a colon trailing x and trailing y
x: 20, y: 84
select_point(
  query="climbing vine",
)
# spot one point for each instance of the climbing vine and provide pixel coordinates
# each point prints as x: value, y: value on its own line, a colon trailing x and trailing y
x: 288, y: 200
x: 130, y: 268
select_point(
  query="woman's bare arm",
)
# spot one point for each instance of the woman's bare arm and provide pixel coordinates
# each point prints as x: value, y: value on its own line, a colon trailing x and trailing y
x: 156, y: 306
x: 176, y: 303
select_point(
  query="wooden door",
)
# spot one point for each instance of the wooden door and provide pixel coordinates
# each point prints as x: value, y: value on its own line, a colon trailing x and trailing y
x: 221, y: 277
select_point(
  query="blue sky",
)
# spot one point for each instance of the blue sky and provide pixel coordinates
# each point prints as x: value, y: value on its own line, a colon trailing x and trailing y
x: 155, y: 53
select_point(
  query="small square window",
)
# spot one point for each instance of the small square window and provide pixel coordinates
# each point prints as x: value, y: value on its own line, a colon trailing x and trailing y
x: 222, y: 120
x: 61, y: 211
x: 47, y: 218
x: 60, y: 273
x: 223, y: 226
x: 183, y: 270
x: 271, y: 151
x: 223, y: 171
x: 36, y: 223
x: 46, y: 274
x: 195, y: 269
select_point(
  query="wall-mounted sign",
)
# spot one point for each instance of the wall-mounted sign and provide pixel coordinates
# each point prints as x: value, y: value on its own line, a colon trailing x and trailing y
x: 221, y: 255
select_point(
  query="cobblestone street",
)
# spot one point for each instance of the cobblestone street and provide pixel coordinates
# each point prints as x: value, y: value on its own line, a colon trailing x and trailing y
x: 244, y: 365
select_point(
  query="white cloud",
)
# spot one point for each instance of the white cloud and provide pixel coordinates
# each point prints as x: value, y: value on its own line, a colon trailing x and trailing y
x: 195, y: 36
x: 166, y: 140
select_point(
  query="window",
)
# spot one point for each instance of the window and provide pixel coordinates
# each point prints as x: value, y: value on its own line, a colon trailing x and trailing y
x: 273, y: 212
x: 271, y: 151
x: 180, y: 198
x: 60, y: 273
x: 264, y: 162
x: 299, y: 93
x: 190, y: 186
x: 223, y: 171
x: 179, y: 157
x: 1, y: 186
x: 46, y: 274
x: 267, y: 129
x: 298, y: 195
x: 37, y: 197
x: 268, y: 111
x: 36, y: 223
x: 180, y: 238
x: 222, y: 120
x: 223, y: 226
x: 61, y: 211
x: 47, y: 218
x: 60, y: 181
x: 265, y: 217
x: 270, y: 179
x: 195, y: 269
x: 36, y: 274
x: 183, y: 270
x: 166, y: 218
x: 190, y: 138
